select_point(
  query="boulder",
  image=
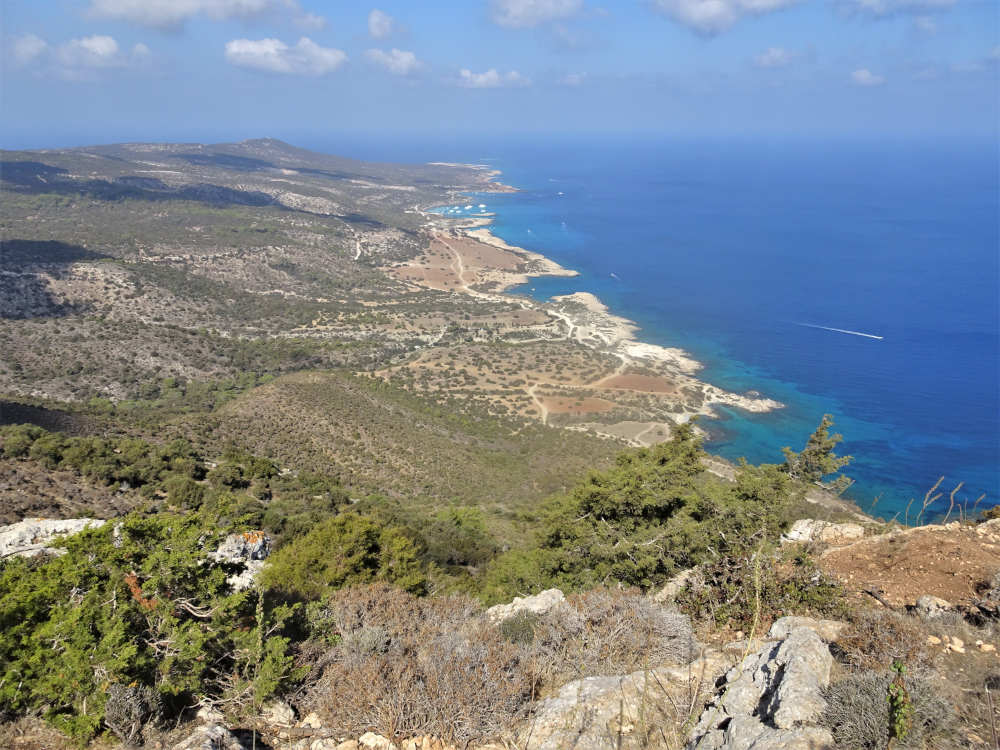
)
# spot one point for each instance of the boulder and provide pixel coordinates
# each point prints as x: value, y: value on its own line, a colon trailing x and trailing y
x: 249, y: 551
x: 539, y: 604
x: 813, y: 530
x: 828, y: 630
x: 372, y: 741
x: 621, y: 711
x: 29, y: 537
x: 210, y: 737
x: 278, y: 713
x: 674, y: 586
x: 773, y: 699
x: 930, y: 607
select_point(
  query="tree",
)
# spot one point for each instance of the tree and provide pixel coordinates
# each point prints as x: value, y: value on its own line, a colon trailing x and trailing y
x: 817, y: 459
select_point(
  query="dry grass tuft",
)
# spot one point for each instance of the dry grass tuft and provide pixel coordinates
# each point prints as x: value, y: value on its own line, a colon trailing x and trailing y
x: 858, y: 714
x: 402, y: 666
x: 879, y: 637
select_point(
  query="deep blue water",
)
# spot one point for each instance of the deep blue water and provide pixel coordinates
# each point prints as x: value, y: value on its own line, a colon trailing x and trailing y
x: 726, y: 248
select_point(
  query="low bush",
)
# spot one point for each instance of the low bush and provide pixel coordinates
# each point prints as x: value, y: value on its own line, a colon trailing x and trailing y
x: 408, y: 666
x: 858, y: 712
x: 879, y: 637
x: 341, y: 551
x: 607, y: 632
x: 757, y: 588
x: 387, y: 661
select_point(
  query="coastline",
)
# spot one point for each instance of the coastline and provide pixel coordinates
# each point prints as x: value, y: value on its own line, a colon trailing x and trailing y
x: 644, y: 388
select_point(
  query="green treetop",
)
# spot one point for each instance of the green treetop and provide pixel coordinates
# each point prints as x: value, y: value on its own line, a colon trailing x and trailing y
x: 817, y: 459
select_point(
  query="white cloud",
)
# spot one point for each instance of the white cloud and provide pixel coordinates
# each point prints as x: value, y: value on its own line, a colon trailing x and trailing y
x: 925, y: 23
x: 310, y: 21
x: 773, y: 57
x: 96, y: 51
x: 573, y: 79
x: 396, y: 61
x: 491, y: 79
x: 273, y: 55
x: 76, y: 59
x: 28, y: 48
x: 889, y: 7
x: 380, y: 24
x: 715, y: 16
x: 864, y: 77
x: 171, y: 14
x: 521, y: 14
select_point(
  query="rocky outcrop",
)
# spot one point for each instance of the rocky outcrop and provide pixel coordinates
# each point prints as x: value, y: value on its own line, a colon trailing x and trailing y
x: 773, y: 699
x: 209, y: 737
x: 248, y: 550
x: 675, y: 585
x: 538, y: 604
x: 30, y: 537
x: 623, y: 711
x: 932, y: 607
x: 828, y: 630
x: 812, y: 530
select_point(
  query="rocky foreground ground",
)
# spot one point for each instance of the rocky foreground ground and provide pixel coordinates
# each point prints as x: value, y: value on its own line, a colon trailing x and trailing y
x: 781, y: 687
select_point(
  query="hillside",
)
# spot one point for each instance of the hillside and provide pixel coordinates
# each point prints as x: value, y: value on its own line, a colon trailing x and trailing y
x: 302, y: 437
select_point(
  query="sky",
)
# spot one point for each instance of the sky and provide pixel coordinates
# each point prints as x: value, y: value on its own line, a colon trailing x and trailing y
x: 89, y: 71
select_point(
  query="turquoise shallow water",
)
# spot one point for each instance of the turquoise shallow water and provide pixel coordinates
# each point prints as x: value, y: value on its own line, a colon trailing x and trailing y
x: 733, y: 250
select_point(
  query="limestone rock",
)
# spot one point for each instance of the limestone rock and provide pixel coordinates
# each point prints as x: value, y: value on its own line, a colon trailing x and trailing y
x: 328, y: 743
x: 312, y: 720
x: 929, y: 607
x: 210, y: 737
x: 372, y: 741
x: 773, y: 699
x: 595, y: 713
x: 278, y: 713
x: 673, y: 587
x: 828, y: 630
x: 29, y: 537
x: 812, y: 530
x: 539, y: 604
x: 248, y: 550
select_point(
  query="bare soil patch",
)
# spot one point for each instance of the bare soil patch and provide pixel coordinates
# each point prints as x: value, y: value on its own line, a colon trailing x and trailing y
x: 952, y: 562
x: 577, y: 406
x: 644, y: 383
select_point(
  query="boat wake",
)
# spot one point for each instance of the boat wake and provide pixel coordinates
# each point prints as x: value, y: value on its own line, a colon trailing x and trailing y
x: 842, y: 330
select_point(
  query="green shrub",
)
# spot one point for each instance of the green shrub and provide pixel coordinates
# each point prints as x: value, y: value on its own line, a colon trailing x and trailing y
x: 758, y: 587
x: 135, y: 601
x: 341, y: 551
x: 655, y: 513
x: 520, y: 627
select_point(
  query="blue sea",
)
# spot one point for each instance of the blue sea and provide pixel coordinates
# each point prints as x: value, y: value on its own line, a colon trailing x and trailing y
x: 737, y: 250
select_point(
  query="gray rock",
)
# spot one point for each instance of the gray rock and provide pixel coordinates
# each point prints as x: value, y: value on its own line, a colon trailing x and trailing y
x: 539, y: 604
x: 812, y: 530
x: 595, y: 713
x: 29, y: 537
x: 250, y: 550
x: 828, y: 630
x: 674, y: 586
x: 798, y: 699
x: 210, y: 737
x: 278, y: 713
x: 773, y: 699
x: 929, y: 607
